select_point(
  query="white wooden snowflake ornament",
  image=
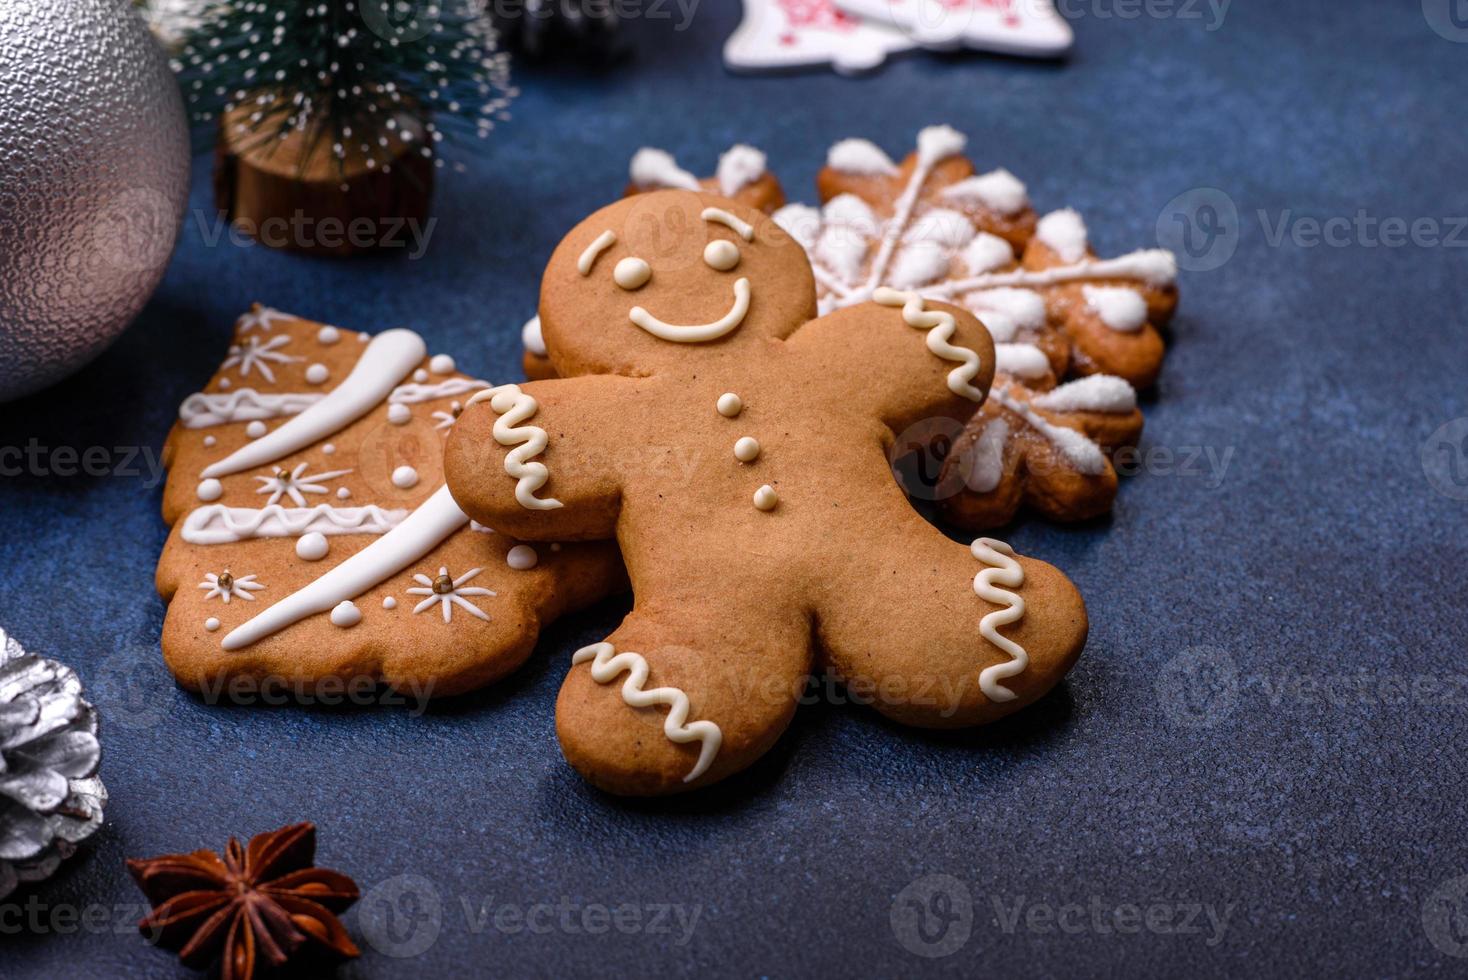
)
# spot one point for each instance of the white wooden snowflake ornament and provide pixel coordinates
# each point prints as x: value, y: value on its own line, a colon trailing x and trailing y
x: 1031, y: 28
x: 783, y: 34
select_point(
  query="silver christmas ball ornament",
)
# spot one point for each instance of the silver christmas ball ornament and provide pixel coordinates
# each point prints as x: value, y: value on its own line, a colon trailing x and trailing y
x: 50, y: 796
x: 94, y: 175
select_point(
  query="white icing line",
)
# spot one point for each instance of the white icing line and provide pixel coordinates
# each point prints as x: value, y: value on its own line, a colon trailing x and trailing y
x: 1004, y: 570
x: 418, y: 534
x: 1154, y: 266
x: 1079, y: 450
x: 940, y: 326
x: 202, y: 409
x: 696, y: 333
x: 412, y: 394
x: 606, y: 664
x: 740, y: 227
x: 515, y: 406
x: 218, y: 524
x: 384, y: 363
x: 593, y: 251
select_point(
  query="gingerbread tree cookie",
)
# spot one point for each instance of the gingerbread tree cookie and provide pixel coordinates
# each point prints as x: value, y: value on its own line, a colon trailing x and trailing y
x: 312, y: 536
x: 735, y: 447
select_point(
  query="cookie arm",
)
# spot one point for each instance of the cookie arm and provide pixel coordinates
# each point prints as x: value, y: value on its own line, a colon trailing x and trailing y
x: 540, y: 461
x: 917, y: 358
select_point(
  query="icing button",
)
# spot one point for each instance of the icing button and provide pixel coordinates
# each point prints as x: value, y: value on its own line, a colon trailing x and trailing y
x: 211, y: 624
x: 405, y: 477
x: 312, y: 546
x: 210, y: 489
x: 346, y: 614
x: 746, y: 450
x: 730, y: 405
x: 765, y: 498
x: 521, y: 557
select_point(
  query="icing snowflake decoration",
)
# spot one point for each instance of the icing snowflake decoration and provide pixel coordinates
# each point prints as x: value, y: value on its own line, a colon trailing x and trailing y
x: 253, y: 354
x: 934, y: 249
x: 294, y: 483
x: 443, y: 421
x: 447, y: 592
x: 226, y: 586
x: 261, y: 317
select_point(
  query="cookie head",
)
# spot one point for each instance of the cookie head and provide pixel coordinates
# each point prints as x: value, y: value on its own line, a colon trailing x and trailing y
x: 658, y: 279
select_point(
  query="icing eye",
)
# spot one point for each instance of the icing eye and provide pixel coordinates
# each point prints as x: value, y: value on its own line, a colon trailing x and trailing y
x: 632, y: 273
x: 721, y: 254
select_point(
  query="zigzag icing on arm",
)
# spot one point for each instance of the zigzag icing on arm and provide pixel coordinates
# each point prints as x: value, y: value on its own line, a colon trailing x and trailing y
x: 385, y: 362
x: 218, y: 524
x: 1003, y: 570
x: 418, y: 534
x: 202, y: 409
x: 940, y: 326
x: 515, y: 406
x: 606, y: 664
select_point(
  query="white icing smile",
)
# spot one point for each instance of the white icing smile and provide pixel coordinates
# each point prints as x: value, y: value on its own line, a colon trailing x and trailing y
x: 700, y: 332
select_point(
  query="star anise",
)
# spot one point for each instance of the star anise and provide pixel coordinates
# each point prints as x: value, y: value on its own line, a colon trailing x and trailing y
x: 263, y: 900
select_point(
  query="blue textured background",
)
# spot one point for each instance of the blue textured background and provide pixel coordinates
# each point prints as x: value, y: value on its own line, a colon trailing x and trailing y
x: 1184, y: 761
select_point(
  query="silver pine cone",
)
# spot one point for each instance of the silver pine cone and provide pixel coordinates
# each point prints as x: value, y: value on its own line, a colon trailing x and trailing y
x: 50, y: 798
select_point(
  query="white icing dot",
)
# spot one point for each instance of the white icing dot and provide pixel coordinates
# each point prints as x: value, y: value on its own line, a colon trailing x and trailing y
x: 364, y: 337
x: 532, y: 338
x: 211, y: 624
x: 210, y: 489
x: 1064, y: 233
x: 255, y: 429
x: 317, y: 374
x: 399, y: 414
x: 389, y: 603
x: 346, y: 614
x: 329, y: 448
x: 1095, y: 393
x: 739, y: 166
x: 746, y: 450
x: 632, y: 273
x: 1122, y: 309
x: 857, y: 156
x: 312, y: 547
x: 343, y: 493
x: 441, y: 364
x: 765, y: 498
x: 521, y: 557
x: 730, y: 405
x: 404, y: 477
x: 420, y: 376
x: 328, y: 335
x: 1021, y: 360
x: 209, y: 441
x: 721, y: 254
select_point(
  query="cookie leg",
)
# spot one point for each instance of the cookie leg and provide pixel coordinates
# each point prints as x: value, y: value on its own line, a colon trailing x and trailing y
x: 927, y: 645
x: 682, y: 696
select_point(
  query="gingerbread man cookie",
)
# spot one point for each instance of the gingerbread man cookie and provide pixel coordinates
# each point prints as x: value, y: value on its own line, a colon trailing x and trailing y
x: 312, y: 535
x: 735, y: 447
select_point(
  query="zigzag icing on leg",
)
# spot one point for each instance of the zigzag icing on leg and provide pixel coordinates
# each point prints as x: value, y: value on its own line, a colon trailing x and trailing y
x: 606, y: 664
x: 1003, y: 570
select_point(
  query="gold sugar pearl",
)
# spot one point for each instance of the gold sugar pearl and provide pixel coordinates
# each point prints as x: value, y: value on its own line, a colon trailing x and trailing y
x: 226, y: 581
x: 443, y: 585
